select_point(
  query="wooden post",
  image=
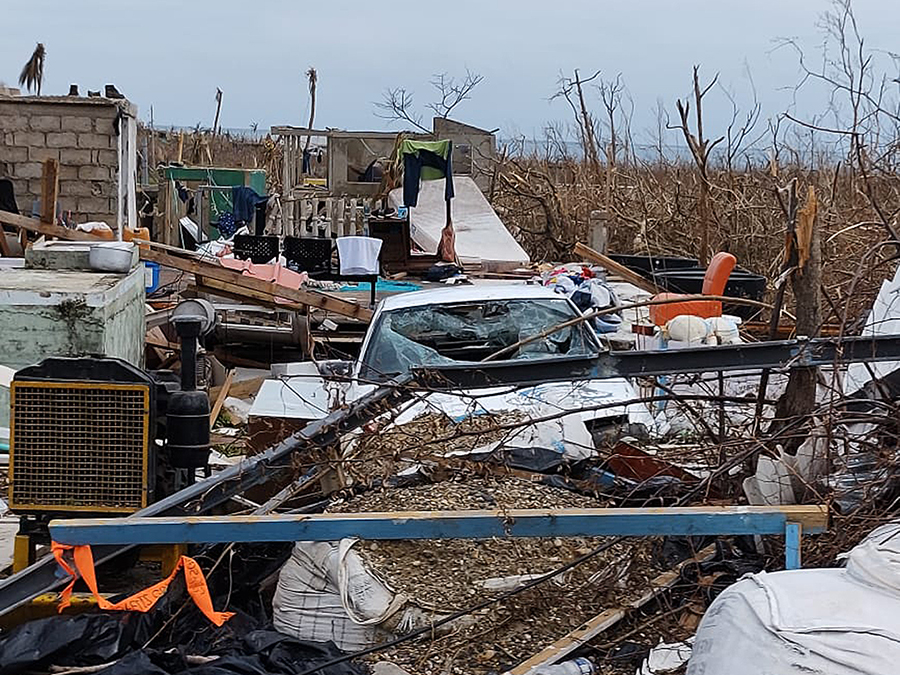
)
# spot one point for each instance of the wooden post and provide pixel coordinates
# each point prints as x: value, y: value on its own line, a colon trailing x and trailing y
x: 171, y: 234
x: 598, y: 231
x: 180, y: 147
x: 130, y: 168
x: 329, y: 215
x: 220, y: 398
x: 4, y: 244
x: 340, y: 223
x: 49, y: 190
x: 287, y: 192
x: 305, y: 206
x: 121, y: 142
x: 152, y: 161
x: 790, y: 260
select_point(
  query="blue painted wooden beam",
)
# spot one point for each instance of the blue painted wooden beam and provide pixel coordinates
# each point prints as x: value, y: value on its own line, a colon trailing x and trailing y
x: 442, y: 525
x: 792, y: 533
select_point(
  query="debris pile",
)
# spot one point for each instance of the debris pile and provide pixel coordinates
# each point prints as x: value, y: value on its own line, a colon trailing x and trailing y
x: 451, y: 575
x: 423, y: 442
x: 268, y: 362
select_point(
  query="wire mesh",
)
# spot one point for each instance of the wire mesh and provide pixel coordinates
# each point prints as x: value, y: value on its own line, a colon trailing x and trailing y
x: 79, y: 446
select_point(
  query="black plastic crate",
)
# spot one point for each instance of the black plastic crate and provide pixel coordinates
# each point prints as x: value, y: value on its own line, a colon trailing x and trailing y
x: 258, y: 250
x: 309, y: 254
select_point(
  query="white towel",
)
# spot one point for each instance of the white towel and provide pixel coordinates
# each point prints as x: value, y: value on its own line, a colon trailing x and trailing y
x: 359, y: 255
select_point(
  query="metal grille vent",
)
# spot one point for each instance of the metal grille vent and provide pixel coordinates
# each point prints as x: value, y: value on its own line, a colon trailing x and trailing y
x: 78, y: 446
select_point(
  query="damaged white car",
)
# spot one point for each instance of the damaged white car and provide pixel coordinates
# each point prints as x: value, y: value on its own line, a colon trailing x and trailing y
x: 464, y: 326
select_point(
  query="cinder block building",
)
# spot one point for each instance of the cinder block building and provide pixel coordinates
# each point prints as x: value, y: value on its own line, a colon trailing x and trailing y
x: 94, y: 140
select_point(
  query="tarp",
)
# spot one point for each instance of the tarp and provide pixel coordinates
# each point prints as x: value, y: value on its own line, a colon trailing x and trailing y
x: 883, y: 319
x: 93, y: 639
x: 480, y: 234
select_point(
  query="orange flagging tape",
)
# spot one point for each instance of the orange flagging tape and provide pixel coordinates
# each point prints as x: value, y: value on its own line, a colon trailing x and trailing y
x: 141, y: 601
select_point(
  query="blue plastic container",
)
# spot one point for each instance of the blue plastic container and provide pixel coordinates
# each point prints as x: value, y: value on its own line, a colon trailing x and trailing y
x: 151, y: 276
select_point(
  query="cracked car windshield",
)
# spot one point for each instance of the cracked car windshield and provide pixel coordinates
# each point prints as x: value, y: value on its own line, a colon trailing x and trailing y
x: 470, y: 332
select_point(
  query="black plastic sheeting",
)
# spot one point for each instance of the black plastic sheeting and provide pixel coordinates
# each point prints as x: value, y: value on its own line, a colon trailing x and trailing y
x: 157, y: 642
x: 92, y: 639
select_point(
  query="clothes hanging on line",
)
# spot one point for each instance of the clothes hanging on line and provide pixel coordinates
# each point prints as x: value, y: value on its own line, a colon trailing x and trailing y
x: 358, y: 255
x: 243, y: 203
x: 425, y: 160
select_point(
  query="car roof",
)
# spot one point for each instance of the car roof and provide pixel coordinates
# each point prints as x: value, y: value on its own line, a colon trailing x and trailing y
x: 474, y: 293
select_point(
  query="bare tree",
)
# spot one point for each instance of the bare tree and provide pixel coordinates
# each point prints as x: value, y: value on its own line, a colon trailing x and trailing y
x: 658, y: 132
x: 312, y: 79
x: 398, y: 106
x: 611, y: 98
x: 700, y: 148
x: 452, y: 92
x: 740, y: 127
x: 32, y: 76
x: 860, y: 113
x: 572, y: 90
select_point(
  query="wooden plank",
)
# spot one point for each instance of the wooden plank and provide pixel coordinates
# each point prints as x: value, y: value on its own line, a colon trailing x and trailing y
x: 241, y: 389
x: 606, y: 619
x: 49, y: 190
x: 476, y: 524
x: 4, y: 244
x: 236, y: 280
x: 158, y: 338
x: 157, y: 317
x: 611, y: 265
x: 47, y: 229
x: 220, y: 398
x: 152, y: 341
x: 169, y: 229
x: 177, y: 250
x: 214, y: 287
x: 228, y: 357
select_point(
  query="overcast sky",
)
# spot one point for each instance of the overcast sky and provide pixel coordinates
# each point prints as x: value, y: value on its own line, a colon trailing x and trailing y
x: 172, y: 55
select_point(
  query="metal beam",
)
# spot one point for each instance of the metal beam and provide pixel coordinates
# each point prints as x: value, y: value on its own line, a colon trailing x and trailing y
x: 755, y: 356
x: 700, y: 520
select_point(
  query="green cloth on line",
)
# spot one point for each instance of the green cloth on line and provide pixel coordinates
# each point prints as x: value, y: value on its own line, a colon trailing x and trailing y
x: 440, y: 148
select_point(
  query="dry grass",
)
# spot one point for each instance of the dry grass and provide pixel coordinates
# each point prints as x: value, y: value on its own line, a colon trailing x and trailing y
x: 652, y: 209
x: 225, y: 149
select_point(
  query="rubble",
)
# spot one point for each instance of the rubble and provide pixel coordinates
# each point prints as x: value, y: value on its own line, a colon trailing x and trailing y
x: 448, y: 575
x: 288, y: 351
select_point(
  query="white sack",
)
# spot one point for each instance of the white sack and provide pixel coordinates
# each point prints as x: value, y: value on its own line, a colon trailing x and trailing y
x: 829, y: 621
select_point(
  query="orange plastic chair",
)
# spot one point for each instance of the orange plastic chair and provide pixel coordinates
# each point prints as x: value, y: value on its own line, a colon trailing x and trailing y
x: 717, y: 273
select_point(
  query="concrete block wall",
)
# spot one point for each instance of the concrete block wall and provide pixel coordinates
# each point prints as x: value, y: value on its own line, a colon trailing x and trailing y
x: 80, y: 133
x: 474, y: 149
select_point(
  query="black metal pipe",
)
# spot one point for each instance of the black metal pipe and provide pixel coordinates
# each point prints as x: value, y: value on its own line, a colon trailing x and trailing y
x: 188, y: 363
